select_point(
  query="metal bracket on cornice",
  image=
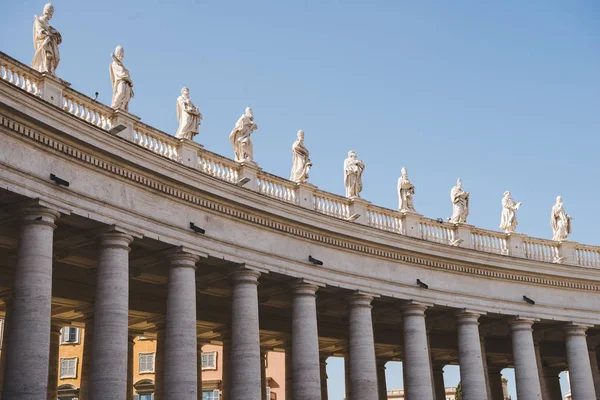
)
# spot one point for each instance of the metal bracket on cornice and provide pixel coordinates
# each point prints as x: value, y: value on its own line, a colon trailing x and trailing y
x: 528, y: 300
x: 59, y: 181
x: 197, y: 229
x: 315, y: 261
x: 242, y: 181
x: 422, y: 284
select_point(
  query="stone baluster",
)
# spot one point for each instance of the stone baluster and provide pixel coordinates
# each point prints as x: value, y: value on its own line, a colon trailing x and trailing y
x: 27, y: 356
x: 245, y: 340
x: 469, y: 356
x: 108, y: 379
x: 417, y: 361
x: 305, y: 343
x: 180, y: 367
x: 363, y: 372
x: 578, y: 358
x: 53, y: 361
x: 526, y: 371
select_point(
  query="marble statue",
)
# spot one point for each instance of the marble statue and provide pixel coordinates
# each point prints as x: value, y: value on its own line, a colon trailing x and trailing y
x: 300, y: 162
x: 353, y: 170
x: 406, y: 191
x: 560, y: 220
x: 188, y: 115
x: 460, y: 204
x: 508, y: 222
x: 121, y: 81
x: 45, y: 42
x: 240, y: 137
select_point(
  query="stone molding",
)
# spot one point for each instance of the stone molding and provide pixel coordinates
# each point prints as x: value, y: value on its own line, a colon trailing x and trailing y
x: 344, y: 243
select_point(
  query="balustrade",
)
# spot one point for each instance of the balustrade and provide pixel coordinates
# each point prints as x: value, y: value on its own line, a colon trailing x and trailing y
x: 541, y: 250
x: 276, y: 187
x: 385, y: 219
x: 489, y: 241
x: 156, y: 141
x: 19, y: 75
x: 87, y: 109
x: 434, y: 231
x: 588, y: 256
x: 330, y: 204
x: 218, y: 166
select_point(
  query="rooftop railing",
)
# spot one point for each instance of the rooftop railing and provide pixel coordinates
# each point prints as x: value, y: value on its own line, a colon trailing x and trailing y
x: 250, y: 176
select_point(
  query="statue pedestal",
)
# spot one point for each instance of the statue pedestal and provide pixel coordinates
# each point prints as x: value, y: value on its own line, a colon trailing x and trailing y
x: 358, y: 211
x: 52, y: 88
x: 410, y: 224
x: 462, y: 236
x: 304, y: 194
x: 122, y: 124
x: 250, y: 171
x: 514, y: 244
x: 188, y: 152
x: 567, y: 253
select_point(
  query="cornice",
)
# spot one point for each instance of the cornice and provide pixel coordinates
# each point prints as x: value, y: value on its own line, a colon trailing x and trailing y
x: 298, y: 229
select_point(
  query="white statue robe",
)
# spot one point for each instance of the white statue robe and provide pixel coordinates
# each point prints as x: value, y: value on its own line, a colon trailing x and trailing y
x: 508, y: 221
x: 240, y: 138
x: 353, y: 170
x: 121, y: 84
x: 300, y: 162
x: 561, y: 223
x: 45, y: 42
x: 406, y: 190
x: 189, y: 118
x: 460, y: 205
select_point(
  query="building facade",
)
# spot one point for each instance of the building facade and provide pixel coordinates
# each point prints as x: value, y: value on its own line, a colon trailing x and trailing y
x: 110, y: 225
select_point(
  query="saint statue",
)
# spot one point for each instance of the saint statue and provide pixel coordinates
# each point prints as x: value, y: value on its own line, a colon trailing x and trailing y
x: 460, y: 204
x: 45, y: 42
x: 560, y: 220
x: 121, y: 81
x: 240, y: 137
x: 406, y: 191
x: 300, y: 162
x: 188, y: 115
x: 353, y: 170
x: 509, y: 222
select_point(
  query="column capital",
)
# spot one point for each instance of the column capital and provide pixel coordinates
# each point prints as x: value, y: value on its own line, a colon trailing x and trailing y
x: 244, y: 275
x: 304, y: 288
x: 522, y: 324
x: 34, y: 213
x: 360, y: 299
x: 179, y: 258
x: 414, y: 308
x: 114, y: 237
x: 573, y: 329
x: 467, y: 316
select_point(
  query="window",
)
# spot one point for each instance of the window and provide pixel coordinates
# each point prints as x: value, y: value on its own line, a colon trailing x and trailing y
x: 210, y: 395
x: 68, y: 368
x: 146, y: 396
x: 209, y: 360
x: 69, y: 335
x: 146, y: 364
x: 268, y: 393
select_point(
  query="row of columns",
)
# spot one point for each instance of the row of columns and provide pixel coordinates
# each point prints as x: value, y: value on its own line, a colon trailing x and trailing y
x: 28, y: 359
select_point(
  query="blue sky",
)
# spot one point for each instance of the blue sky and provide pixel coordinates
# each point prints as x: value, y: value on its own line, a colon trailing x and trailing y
x: 504, y: 95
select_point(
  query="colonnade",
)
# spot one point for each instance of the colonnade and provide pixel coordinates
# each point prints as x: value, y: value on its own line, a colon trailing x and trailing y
x: 105, y: 372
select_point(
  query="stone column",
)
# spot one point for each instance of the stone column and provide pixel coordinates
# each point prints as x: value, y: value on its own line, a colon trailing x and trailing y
x: 159, y: 362
x: 495, y: 379
x: 526, y: 371
x: 347, y: 380
x: 323, y: 368
x: 438, y: 380
x: 592, y: 345
x: 180, y: 368
x: 226, y: 384
x: 305, y: 343
x: 288, y: 371
x: 363, y: 372
x: 263, y: 374
x: 578, y: 358
x: 540, y: 369
x: 245, y: 340
x: 381, y: 381
x: 130, y: 355
x: 199, y: 368
x: 7, y: 298
x: 108, y: 379
x: 26, y: 373
x: 485, y: 366
x: 53, y: 363
x: 416, y: 353
x: 469, y: 356
x: 88, y: 334
x: 552, y: 378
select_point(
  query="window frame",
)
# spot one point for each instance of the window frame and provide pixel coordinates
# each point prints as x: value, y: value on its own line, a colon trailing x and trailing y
x: 63, y: 334
x: 75, y: 367
x: 216, y: 364
x: 146, y: 371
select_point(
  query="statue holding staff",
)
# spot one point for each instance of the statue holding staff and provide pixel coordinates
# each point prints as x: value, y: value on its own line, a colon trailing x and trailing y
x: 120, y: 79
x: 353, y: 170
x: 240, y: 137
x: 45, y: 42
x: 188, y: 115
x: 460, y: 204
x: 300, y: 162
x: 560, y: 221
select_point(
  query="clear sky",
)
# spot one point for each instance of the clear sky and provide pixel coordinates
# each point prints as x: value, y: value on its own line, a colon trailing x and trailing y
x: 504, y: 94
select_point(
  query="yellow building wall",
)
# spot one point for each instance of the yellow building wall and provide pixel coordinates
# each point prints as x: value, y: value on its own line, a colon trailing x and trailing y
x: 142, y: 345
x: 70, y: 350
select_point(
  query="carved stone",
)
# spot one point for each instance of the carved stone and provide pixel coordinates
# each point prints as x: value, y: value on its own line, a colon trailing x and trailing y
x: 188, y: 115
x: 560, y: 221
x: 120, y: 79
x: 406, y: 191
x: 353, y: 170
x: 45, y: 42
x: 460, y: 204
x: 300, y: 160
x: 240, y: 137
x: 508, y: 221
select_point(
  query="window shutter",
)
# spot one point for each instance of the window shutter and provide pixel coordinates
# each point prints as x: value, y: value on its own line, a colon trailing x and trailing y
x: 216, y: 394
